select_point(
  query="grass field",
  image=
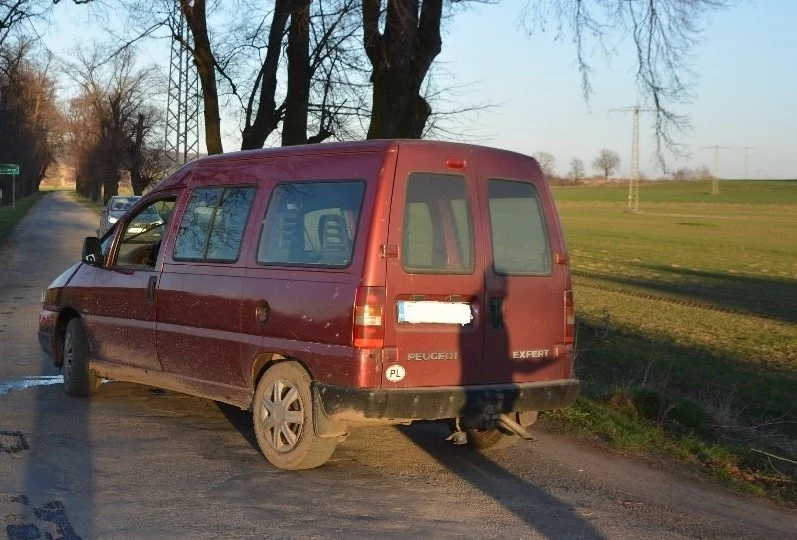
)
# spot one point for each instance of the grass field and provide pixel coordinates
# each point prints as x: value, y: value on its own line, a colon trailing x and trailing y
x: 731, y: 192
x: 9, y: 217
x: 688, y: 325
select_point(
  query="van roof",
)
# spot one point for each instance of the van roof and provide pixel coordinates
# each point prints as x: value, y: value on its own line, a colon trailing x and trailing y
x: 377, y: 145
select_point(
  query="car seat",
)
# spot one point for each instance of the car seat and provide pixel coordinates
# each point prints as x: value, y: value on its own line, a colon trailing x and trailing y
x: 334, y: 239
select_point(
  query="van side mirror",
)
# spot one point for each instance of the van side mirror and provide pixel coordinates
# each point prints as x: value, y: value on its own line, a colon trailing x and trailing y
x: 92, y: 251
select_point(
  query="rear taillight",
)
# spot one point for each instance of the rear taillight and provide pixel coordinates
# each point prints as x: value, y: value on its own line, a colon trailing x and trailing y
x: 369, y: 329
x: 570, y: 318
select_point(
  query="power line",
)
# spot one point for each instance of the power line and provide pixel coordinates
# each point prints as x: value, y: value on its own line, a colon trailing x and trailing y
x: 715, y: 181
x: 633, y: 181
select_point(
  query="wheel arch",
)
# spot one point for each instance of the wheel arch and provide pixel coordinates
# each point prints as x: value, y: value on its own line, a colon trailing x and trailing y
x: 322, y: 425
x: 265, y: 360
x: 65, y: 315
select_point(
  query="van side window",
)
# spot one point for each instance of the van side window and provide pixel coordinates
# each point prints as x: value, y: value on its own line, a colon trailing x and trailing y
x: 213, y: 224
x: 519, y: 237
x: 438, y: 228
x: 140, y: 243
x: 311, y: 224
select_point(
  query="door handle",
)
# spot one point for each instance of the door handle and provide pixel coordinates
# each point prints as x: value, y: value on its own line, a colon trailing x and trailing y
x: 497, y: 312
x: 151, y: 285
x: 262, y: 312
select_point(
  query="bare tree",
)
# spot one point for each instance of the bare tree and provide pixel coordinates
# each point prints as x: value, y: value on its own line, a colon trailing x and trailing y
x: 606, y: 162
x: 111, y: 117
x: 400, y: 57
x: 148, y: 159
x: 664, y: 34
x: 244, y: 62
x: 18, y: 16
x: 196, y: 19
x: 685, y: 173
x: 30, y: 121
x: 577, y: 170
x: 547, y: 163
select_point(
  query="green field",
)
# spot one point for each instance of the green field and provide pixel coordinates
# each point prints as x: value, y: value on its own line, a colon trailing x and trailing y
x: 731, y: 192
x: 688, y: 325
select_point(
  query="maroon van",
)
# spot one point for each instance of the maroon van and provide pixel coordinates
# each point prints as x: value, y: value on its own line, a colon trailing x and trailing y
x: 329, y: 285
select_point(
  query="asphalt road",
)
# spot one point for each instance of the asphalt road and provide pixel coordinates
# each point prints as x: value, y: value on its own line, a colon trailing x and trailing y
x: 135, y: 462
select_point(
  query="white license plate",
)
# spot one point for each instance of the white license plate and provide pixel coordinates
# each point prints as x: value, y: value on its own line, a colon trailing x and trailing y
x: 427, y: 312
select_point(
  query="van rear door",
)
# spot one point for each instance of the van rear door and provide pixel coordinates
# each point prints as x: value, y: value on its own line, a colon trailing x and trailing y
x: 524, y: 288
x: 434, y: 289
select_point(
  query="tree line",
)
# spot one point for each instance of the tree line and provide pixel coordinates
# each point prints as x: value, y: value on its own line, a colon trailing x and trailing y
x: 606, y: 163
x: 288, y: 72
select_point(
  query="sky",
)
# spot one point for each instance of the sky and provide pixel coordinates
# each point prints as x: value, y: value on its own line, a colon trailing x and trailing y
x: 744, y: 93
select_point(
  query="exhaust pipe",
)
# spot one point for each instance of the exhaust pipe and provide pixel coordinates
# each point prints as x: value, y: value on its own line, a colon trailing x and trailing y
x: 506, y: 422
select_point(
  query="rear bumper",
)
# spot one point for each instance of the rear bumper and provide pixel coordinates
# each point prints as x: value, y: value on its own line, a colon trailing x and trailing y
x: 342, y: 403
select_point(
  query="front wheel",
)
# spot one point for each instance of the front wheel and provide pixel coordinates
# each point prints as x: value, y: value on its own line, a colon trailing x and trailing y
x: 79, y: 379
x: 283, y: 418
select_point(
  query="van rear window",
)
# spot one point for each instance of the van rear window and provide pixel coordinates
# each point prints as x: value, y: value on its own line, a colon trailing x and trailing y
x: 520, y: 240
x: 311, y: 224
x: 438, y: 230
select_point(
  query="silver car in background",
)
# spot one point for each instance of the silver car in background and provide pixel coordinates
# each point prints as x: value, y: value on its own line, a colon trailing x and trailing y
x: 117, y: 207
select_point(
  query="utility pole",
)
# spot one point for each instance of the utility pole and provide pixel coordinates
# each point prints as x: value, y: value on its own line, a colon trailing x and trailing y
x: 633, y: 181
x: 182, y: 102
x: 715, y: 181
x: 746, y: 161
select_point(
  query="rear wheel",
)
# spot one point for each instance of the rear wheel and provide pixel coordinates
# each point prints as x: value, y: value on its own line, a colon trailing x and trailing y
x: 79, y: 379
x: 283, y: 418
x: 490, y: 439
x: 496, y: 438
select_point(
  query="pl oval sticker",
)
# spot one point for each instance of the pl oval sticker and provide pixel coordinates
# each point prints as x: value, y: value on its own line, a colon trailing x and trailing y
x: 395, y: 373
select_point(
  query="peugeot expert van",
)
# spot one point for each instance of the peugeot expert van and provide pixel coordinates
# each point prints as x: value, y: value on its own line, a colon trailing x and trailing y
x: 326, y: 286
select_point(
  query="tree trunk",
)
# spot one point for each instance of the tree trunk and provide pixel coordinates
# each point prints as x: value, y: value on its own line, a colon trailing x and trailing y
x: 398, y: 109
x: 205, y: 62
x: 110, y: 187
x: 266, y: 118
x: 400, y: 60
x: 135, y: 159
x: 294, y: 126
x: 94, y: 191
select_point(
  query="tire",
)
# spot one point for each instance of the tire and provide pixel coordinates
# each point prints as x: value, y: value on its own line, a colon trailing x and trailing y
x: 490, y: 439
x: 79, y: 379
x: 496, y: 439
x: 283, y: 418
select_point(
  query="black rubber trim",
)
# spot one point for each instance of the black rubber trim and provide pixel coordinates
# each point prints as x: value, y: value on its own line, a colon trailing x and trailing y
x: 443, y: 402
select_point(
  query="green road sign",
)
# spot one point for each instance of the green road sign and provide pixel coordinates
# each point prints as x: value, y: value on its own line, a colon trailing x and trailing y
x: 9, y: 168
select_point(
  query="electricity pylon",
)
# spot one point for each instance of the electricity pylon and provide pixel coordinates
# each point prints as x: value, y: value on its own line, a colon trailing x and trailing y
x: 633, y: 181
x: 182, y: 102
x: 715, y: 181
x: 746, y: 160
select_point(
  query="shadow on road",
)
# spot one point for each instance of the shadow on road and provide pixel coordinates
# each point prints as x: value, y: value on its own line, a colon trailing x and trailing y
x: 55, y: 497
x: 541, y: 511
x: 242, y: 421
